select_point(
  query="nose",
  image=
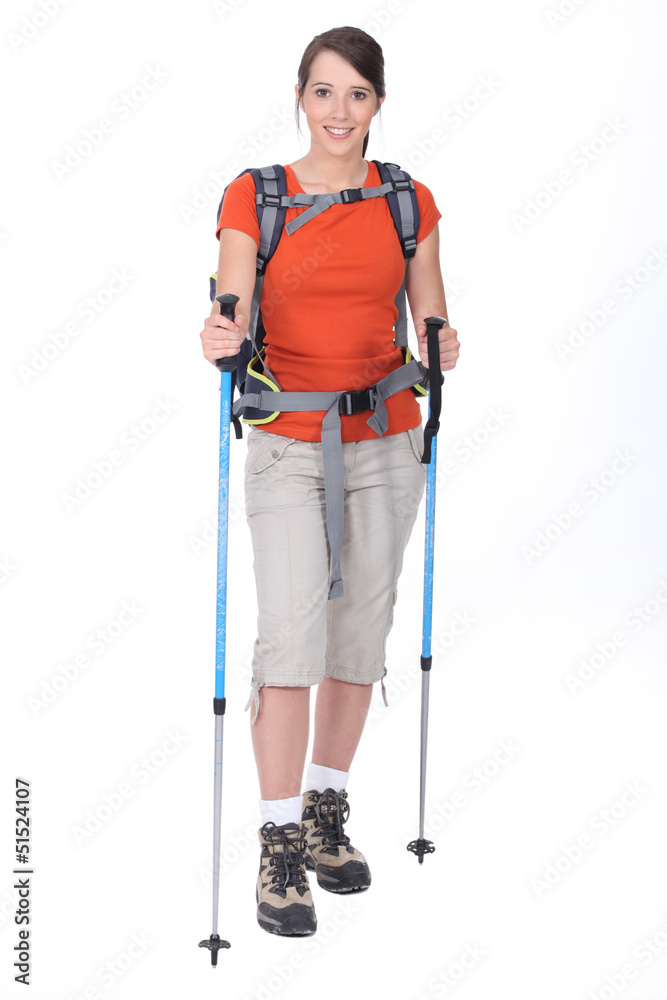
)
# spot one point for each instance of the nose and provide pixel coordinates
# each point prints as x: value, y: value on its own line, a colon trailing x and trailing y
x: 339, y: 109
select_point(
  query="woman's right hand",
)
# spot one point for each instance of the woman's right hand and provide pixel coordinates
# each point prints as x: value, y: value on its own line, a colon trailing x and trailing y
x: 221, y: 337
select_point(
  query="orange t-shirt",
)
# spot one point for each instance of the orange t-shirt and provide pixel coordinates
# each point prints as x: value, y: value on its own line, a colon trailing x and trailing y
x: 328, y: 302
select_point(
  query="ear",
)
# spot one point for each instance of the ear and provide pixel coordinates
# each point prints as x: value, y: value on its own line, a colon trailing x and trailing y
x: 296, y: 93
x: 380, y: 103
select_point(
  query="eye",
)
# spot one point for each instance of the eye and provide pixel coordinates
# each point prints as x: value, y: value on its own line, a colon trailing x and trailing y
x: 359, y: 94
x: 321, y: 92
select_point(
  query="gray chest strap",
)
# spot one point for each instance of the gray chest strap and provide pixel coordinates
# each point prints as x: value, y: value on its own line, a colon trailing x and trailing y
x: 335, y: 403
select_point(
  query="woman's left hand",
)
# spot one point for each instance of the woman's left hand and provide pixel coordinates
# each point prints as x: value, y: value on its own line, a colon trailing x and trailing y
x: 449, y: 346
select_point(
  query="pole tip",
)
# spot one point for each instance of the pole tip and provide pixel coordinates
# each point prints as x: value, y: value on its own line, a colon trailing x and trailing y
x: 214, y: 944
x: 421, y: 847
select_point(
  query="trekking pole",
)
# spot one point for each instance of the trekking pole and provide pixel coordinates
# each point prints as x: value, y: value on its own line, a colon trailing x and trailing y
x: 421, y: 846
x: 226, y: 367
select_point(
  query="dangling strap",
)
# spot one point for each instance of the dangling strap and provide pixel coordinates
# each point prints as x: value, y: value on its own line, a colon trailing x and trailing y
x: 401, y: 324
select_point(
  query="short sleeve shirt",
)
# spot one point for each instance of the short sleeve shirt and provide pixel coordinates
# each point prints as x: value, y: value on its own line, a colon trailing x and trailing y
x: 328, y: 302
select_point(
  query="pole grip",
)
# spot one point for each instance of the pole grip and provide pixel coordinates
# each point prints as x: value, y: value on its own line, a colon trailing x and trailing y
x: 433, y: 325
x: 227, y: 303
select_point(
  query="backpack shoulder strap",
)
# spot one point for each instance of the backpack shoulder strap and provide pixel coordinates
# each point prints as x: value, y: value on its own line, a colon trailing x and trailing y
x: 404, y: 208
x: 270, y: 186
x: 403, y: 205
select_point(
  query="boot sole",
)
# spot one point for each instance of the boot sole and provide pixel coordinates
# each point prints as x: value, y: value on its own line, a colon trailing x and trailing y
x: 329, y: 887
x: 274, y: 926
x: 271, y: 929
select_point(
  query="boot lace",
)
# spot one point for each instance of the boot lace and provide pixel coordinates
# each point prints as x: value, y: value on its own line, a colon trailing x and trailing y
x: 332, y: 810
x: 286, y: 856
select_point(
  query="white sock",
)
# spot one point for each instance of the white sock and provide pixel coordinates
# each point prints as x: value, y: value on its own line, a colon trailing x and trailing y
x: 320, y: 777
x: 281, y: 811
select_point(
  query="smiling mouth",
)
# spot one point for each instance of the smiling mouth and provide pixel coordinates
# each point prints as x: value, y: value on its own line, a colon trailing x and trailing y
x: 338, y: 131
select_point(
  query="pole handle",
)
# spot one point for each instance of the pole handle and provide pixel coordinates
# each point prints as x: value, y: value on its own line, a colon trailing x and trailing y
x: 227, y: 303
x: 433, y: 325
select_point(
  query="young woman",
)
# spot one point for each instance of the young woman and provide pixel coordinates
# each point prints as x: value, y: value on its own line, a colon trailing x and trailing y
x: 329, y: 312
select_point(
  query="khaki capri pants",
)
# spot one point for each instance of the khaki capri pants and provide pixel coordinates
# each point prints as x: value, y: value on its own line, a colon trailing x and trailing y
x: 302, y: 635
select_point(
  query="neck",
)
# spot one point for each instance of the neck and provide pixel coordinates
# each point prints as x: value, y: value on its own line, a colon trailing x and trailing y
x: 336, y: 172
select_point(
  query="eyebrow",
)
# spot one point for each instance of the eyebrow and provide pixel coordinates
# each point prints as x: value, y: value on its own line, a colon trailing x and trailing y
x: 321, y: 83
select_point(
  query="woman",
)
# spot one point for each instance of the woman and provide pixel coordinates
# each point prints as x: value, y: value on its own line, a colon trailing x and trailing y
x: 324, y: 325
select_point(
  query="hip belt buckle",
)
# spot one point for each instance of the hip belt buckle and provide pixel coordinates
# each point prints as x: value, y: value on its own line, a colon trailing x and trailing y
x: 355, y: 401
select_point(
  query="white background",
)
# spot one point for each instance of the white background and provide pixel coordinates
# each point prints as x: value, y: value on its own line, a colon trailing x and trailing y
x: 143, y: 202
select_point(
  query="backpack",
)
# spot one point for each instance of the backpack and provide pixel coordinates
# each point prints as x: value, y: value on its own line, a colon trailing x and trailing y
x: 272, y: 202
x: 262, y: 399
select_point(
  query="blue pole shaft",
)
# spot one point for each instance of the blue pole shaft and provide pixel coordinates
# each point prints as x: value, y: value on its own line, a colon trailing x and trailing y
x: 223, y: 517
x: 221, y: 624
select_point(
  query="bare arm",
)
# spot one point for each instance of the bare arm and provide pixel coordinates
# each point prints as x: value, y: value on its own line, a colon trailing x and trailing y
x: 236, y: 274
x: 426, y: 296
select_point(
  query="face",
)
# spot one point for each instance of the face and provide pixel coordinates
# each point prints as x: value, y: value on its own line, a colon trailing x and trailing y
x: 339, y: 104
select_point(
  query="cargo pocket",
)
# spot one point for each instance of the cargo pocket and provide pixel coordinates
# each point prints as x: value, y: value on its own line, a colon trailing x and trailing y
x: 416, y: 436
x: 406, y: 476
x: 277, y: 471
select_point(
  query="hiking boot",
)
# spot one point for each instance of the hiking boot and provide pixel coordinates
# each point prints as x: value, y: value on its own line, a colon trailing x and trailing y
x: 339, y: 866
x: 284, y: 903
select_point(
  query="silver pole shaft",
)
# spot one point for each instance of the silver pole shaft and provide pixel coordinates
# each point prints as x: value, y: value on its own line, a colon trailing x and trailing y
x: 426, y: 676
x: 217, y: 806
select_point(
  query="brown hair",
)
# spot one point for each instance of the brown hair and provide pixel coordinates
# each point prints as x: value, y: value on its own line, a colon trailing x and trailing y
x: 355, y: 46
